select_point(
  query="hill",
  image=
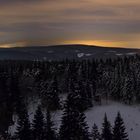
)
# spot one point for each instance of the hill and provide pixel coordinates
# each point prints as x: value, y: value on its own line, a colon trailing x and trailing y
x: 63, y: 51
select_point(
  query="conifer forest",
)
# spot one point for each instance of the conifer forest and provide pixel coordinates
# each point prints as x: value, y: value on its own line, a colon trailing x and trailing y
x: 69, y: 86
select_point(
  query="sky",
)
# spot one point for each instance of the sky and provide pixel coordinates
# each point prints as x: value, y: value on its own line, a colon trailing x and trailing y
x: 114, y: 23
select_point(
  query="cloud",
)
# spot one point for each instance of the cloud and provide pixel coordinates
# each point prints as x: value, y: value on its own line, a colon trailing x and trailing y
x: 65, y: 20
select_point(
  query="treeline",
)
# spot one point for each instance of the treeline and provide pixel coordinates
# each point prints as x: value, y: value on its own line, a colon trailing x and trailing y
x: 73, y: 126
x: 89, y: 80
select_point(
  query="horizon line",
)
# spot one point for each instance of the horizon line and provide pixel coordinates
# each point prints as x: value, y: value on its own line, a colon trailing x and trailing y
x: 8, y: 46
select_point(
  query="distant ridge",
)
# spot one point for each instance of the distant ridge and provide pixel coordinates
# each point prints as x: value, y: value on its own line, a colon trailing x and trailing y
x: 70, y: 51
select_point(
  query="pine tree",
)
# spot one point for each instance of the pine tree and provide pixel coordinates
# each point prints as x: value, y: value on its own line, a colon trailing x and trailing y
x: 73, y: 126
x: 51, y: 95
x: 23, y: 131
x: 119, y: 129
x: 14, y: 91
x: 89, y: 91
x: 106, y: 131
x: 95, y: 133
x: 117, y: 84
x: 138, y: 86
x: 128, y: 90
x: 81, y: 100
x: 6, y: 109
x: 38, y: 125
x: 50, y: 133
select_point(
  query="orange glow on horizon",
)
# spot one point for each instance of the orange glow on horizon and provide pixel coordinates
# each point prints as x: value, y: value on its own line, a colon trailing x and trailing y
x: 97, y: 43
x: 102, y: 43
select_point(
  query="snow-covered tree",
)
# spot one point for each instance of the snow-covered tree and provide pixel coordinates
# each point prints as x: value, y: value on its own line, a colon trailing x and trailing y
x: 38, y: 125
x: 119, y: 132
x: 50, y: 133
x: 128, y: 89
x: 23, y: 130
x: 50, y: 98
x: 95, y: 135
x: 73, y: 126
x: 106, y: 130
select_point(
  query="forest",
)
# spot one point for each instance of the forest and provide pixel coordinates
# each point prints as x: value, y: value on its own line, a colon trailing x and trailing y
x: 84, y: 83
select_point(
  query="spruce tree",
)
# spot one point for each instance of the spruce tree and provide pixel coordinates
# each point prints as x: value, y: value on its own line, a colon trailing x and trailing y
x: 117, y: 84
x: 38, y: 125
x: 128, y: 89
x: 23, y: 131
x: 50, y: 133
x: 119, y: 129
x: 106, y: 131
x: 6, y: 108
x: 73, y: 126
x: 95, y: 135
x: 81, y: 100
x: 51, y: 95
x: 14, y: 91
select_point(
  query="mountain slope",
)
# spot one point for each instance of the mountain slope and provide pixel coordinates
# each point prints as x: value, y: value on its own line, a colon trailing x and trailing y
x: 63, y: 51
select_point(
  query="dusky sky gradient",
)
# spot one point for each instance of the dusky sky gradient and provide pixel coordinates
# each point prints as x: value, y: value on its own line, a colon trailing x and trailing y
x: 50, y: 22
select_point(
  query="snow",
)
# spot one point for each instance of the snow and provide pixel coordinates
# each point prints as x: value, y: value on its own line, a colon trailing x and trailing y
x: 44, y: 58
x: 119, y: 54
x: 56, y: 117
x: 77, y: 50
x: 88, y: 54
x: 31, y: 111
x: 32, y: 108
x: 111, y: 51
x: 130, y: 114
x: 80, y: 55
x: 131, y: 53
x: 50, y: 51
x: 12, y: 128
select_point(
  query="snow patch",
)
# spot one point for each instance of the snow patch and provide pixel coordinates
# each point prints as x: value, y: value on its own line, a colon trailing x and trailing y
x: 80, y: 55
x: 130, y: 114
x: 77, y: 51
x: 111, y: 51
x: 88, y: 54
x: 131, y: 53
x: 119, y: 54
x: 50, y: 51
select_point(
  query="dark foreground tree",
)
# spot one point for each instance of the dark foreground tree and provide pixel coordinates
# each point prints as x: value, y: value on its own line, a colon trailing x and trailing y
x: 106, y: 131
x: 38, y: 125
x: 50, y: 133
x: 51, y: 95
x: 73, y: 126
x: 23, y: 131
x: 95, y: 133
x: 119, y: 129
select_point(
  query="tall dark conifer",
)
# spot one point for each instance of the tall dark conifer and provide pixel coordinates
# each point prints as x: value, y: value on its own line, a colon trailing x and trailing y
x: 73, y: 126
x: 106, y: 131
x: 50, y: 133
x: 23, y: 131
x: 128, y: 88
x: 95, y: 135
x: 119, y: 132
x: 51, y: 95
x: 38, y: 125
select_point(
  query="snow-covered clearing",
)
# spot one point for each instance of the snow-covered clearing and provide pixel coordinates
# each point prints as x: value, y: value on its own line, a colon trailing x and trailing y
x: 130, y: 114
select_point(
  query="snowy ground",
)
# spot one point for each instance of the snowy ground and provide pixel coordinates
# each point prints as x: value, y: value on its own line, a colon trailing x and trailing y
x: 131, y: 115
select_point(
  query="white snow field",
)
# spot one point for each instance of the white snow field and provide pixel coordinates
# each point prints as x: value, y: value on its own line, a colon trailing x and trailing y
x: 130, y: 114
